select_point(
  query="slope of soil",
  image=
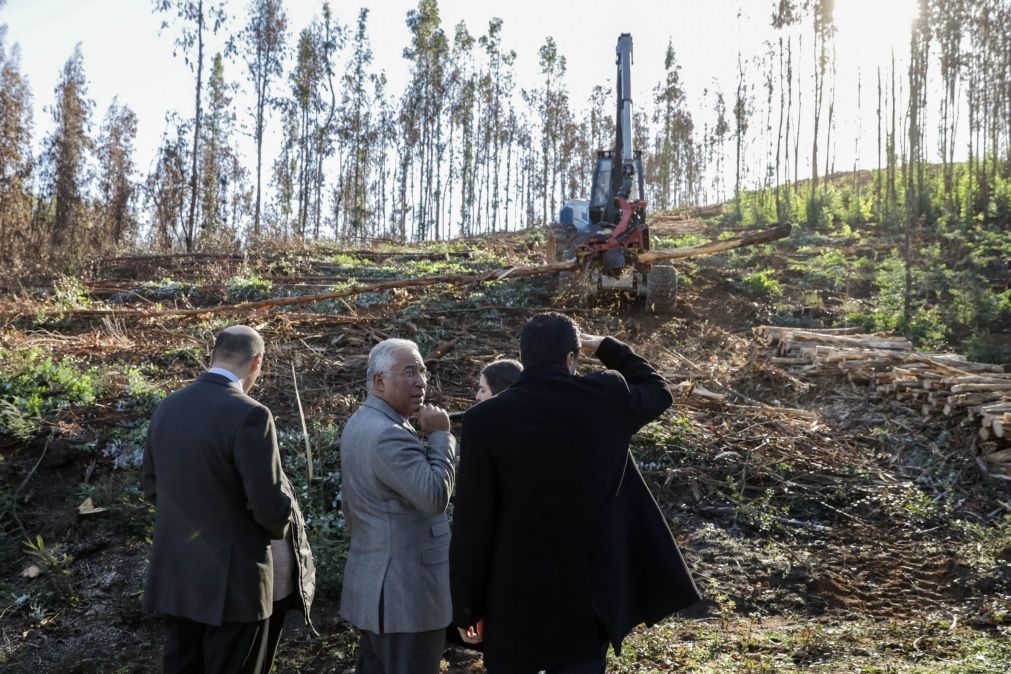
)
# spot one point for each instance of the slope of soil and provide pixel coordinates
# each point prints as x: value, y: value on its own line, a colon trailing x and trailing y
x: 829, y: 530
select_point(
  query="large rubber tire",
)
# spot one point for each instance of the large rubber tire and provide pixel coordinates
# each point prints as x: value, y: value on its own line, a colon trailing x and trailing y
x: 661, y: 289
x: 561, y: 244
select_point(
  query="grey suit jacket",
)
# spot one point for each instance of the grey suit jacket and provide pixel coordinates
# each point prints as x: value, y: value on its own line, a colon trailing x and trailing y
x: 395, y: 489
x: 212, y: 469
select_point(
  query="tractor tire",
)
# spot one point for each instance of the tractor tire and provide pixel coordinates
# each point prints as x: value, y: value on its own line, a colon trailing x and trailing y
x: 614, y: 258
x: 661, y: 289
x: 561, y: 244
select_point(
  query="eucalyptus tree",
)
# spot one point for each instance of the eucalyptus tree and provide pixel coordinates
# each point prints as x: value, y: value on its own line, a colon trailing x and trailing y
x: 742, y: 114
x: 116, y: 184
x: 312, y: 117
x: 462, y: 88
x: 422, y: 114
x: 497, y: 94
x: 197, y: 18
x: 166, y: 187
x: 16, y: 163
x: 824, y: 34
x: 264, y: 39
x: 674, y: 142
x: 67, y: 154
x: 357, y: 133
x: 917, y: 200
x: 784, y: 18
x: 948, y: 19
x: 716, y: 149
x: 220, y: 175
x: 552, y: 103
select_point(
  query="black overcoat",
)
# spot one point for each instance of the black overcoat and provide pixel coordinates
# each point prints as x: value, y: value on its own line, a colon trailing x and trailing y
x: 557, y: 543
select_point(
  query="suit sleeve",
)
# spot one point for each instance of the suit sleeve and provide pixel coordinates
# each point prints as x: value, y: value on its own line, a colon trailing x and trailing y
x: 648, y: 393
x: 470, y: 546
x: 259, y: 465
x: 422, y: 475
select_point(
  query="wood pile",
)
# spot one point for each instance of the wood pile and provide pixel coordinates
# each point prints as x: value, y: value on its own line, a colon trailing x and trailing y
x: 935, y: 384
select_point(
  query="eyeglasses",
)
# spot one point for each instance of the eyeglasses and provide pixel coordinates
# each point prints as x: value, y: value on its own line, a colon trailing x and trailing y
x: 413, y: 373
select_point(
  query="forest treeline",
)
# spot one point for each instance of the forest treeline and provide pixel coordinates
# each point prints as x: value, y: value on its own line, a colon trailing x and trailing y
x: 465, y: 148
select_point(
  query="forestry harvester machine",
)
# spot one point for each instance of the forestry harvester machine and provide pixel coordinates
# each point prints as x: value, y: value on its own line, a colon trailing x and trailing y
x: 607, y: 232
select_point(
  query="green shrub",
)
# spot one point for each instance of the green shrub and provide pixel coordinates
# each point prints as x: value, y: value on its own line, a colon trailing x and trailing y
x: 34, y: 387
x: 826, y: 269
x: 249, y: 286
x: 983, y: 348
x: 760, y: 284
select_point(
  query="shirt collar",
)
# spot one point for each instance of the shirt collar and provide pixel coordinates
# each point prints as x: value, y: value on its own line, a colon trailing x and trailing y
x: 227, y: 374
x: 378, y: 403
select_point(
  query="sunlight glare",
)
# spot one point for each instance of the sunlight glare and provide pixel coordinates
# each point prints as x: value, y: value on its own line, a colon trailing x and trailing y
x: 875, y: 27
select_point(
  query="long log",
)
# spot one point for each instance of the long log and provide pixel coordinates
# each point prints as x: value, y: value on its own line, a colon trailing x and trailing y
x: 869, y: 342
x: 1004, y: 387
x: 765, y: 236
x: 451, y: 279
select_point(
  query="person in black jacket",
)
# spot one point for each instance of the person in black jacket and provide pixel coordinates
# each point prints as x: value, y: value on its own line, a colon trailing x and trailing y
x: 557, y: 547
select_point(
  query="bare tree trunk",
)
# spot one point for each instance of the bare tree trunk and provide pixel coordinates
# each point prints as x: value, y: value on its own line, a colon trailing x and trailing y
x: 191, y: 220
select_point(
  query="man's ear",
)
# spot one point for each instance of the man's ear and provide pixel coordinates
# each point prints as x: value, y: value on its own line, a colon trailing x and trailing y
x: 571, y: 360
x: 257, y: 362
x: 378, y: 382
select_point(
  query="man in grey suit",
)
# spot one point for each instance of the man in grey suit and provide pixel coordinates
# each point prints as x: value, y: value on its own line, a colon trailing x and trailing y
x: 395, y: 492
x: 212, y: 469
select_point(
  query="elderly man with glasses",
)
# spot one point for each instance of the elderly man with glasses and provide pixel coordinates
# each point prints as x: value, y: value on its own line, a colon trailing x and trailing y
x: 395, y: 489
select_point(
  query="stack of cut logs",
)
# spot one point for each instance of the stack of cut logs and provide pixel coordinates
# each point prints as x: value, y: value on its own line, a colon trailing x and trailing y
x: 934, y: 383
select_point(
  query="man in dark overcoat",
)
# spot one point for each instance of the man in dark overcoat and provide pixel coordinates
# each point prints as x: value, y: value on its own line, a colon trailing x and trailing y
x: 212, y: 469
x: 557, y: 547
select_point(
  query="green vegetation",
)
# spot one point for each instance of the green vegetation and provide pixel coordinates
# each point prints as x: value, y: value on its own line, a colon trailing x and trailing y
x: 248, y: 287
x: 760, y: 284
x: 34, y: 388
x: 324, y: 519
x: 945, y: 285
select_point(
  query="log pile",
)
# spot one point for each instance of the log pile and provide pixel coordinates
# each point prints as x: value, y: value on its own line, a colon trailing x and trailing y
x: 935, y: 384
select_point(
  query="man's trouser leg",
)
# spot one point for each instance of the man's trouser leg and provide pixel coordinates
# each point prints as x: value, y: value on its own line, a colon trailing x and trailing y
x: 590, y: 667
x: 274, y: 626
x: 400, y: 652
x: 235, y: 648
x: 184, y: 646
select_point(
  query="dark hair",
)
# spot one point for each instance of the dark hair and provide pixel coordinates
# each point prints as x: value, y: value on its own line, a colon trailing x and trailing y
x: 237, y: 344
x: 501, y: 374
x: 547, y: 339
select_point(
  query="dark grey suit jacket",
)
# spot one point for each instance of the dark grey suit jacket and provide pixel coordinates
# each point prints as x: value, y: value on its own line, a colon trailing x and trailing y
x: 212, y: 469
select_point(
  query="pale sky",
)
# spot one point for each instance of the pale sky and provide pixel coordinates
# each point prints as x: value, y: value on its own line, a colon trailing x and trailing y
x: 125, y: 55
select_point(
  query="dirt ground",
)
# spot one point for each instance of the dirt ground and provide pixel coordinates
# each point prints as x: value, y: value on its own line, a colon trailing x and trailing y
x: 829, y: 529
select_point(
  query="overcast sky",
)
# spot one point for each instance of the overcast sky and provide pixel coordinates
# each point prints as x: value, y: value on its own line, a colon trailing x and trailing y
x: 126, y: 54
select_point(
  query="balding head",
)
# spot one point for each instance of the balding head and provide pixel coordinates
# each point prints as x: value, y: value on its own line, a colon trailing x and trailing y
x: 239, y: 349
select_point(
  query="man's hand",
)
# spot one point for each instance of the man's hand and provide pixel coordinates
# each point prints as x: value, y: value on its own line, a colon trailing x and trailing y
x: 589, y: 343
x: 432, y: 418
x: 471, y: 635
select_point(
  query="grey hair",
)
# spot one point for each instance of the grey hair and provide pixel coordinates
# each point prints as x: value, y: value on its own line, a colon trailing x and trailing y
x: 382, y: 355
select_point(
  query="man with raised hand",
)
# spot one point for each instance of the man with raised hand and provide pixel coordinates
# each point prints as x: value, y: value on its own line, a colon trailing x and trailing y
x: 395, y: 490
x: 212, y: 469
x: 558, y: 547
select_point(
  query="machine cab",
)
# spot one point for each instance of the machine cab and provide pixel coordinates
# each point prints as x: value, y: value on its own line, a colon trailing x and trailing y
x: 602, y: 208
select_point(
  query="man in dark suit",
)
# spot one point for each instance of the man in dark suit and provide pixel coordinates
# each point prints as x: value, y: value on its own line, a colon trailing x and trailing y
x: 557, y: 545
x: 212, y: 469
